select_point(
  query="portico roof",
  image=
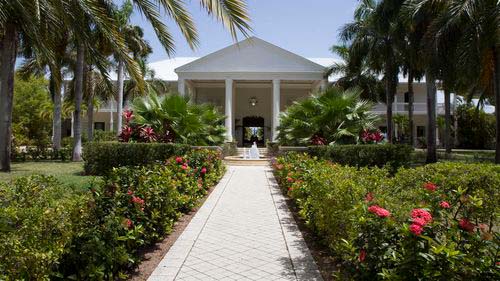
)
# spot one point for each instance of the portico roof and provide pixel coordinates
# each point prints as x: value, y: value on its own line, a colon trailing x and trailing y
x: 251, y: 57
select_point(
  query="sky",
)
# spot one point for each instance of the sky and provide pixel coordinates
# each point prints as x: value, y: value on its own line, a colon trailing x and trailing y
x: 306, y: 27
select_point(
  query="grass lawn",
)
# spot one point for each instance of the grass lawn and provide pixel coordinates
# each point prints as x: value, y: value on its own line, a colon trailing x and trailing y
x: 68, y: 173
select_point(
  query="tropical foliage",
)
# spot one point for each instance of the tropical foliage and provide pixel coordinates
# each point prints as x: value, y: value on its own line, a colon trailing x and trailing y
x: 332, y: 116
x: 173, y: 118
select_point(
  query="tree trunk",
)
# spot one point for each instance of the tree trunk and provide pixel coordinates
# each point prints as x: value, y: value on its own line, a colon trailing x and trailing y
x: 431, y: 118
x: 388, y: 101
x: 119, y: 104
x: 57, y: 116
x: 410, y: 108
x: 8, y: 53
x: 77, y: 142
x: 90, y: 107
x: 447, y: 120
x: 496, y: 56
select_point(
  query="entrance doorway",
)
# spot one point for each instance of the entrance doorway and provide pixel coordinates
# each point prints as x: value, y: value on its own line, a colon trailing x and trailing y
x: 253, y: 131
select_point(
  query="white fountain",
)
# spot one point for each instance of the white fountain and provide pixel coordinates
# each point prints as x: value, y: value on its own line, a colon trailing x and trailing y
x: 254, y: 152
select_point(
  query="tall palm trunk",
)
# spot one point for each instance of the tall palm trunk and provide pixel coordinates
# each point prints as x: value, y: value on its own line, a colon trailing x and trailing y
x: 431, y: 118
x: 447, y: 120
x: 90, y: 107
x: 79, y: 72
x: 410, y: 107
x: 8, y: 52
x: 57, y: 116
x: 119, y: 104
x: 496, y: 56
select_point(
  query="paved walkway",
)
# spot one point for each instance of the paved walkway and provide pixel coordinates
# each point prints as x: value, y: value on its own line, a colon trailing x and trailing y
x: 244, y: 231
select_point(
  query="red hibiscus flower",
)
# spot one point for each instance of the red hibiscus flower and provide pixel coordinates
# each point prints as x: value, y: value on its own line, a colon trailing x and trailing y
x: 369, y: 197
x: 416, y: 229
x: 444, y: 205
x: 466, y: 225
x: 421, y: 214
x: 362, y: 255
x: 379, y: 211
x: 430, y: 186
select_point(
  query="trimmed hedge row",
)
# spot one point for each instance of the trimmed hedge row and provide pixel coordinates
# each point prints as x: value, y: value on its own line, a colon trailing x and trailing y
x: 438, y: 221
x: 101, y: 157
x: 366, y: 155
x: 49, y: 232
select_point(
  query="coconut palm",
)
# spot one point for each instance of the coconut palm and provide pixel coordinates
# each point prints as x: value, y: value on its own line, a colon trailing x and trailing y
x: 333, y: 116
x: 373, y: 36
x: 174, y: 118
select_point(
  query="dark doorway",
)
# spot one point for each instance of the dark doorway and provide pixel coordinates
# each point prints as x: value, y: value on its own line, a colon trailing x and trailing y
x: 253, y: 131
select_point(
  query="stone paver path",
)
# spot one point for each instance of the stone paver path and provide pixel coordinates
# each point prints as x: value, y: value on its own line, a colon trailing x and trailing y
x: 243, y: 231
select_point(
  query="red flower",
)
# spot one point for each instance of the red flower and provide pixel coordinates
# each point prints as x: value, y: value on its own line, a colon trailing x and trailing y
x: 444, y: 205
x: 178, y: 159
x: 289, y: 179
x: 137, y: 200
x: 130, y: 192
x: 362, y: 255
x: 147, y: 134
x: 416, y: 229
x: 125, y: 134
x: 421, y: 214
x: 128, y: 115
x: 430, y: 186
x: 203, y: 170
x: 419, y: 221
x: 369, y: 197
x: 466, y: 225
x: 184, y: 166
x: 379, y: 211
x: 127, y: 223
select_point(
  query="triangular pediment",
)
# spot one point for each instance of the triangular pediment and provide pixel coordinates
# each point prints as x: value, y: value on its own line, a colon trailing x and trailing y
x: 252, y: 55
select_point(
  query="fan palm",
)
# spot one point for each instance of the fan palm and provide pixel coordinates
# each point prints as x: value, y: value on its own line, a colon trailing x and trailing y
x: 175, y: 119
x: 335, y: 115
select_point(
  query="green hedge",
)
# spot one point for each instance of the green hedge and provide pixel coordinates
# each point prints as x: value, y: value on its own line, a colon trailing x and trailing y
x: 366, y: 155
x: 49, y: 232
x: 364, y: 216
x: 101, y: 157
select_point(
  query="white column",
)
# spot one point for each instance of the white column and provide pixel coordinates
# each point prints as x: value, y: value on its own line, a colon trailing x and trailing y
x: 181, y: 86
x: 111, y: 121
x: 276, y: 108
x: 229, y: 110
x: 323, y: 84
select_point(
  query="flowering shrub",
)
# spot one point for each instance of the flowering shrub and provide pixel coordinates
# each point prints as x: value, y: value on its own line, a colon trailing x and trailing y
x: 48, y: 232
x: 438, y: 221
x: 371, y: 136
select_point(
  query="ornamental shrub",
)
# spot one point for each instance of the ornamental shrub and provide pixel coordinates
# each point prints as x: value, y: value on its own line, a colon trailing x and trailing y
x: 101, y: 157
x: 48, y: 232
x: 366, y: 155
x: 438, y: 221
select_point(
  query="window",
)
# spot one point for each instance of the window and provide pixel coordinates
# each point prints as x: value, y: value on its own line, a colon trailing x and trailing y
x: 383, y: 129
x: 99, y: 126
x: 407, y: 97
x: 420, y: 131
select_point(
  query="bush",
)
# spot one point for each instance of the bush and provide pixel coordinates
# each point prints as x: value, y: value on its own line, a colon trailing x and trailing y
x: 379, y: 226
x: 100, y: 136
x: 475, y: 129
x: 40, y: 154
x: 101, y: 157
x: 366, y: 155
x: 50, y: 233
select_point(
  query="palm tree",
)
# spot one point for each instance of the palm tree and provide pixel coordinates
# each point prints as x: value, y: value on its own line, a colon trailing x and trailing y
x: 373, y: 36
x: 333, y: 116
x: 355, y: 73
x: 174, y: 118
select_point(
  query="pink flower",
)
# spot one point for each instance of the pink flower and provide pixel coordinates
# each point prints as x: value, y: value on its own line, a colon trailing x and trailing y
x: 178, y: 159
x: 362, y: 255
x: 137, y: 200
x: 130, y: 192
x: 379, y: 211
x: 430, y: 186
x: 128, y: 223
x: 466, y: 225
x: 203, y: 170
x: 289, y: 179
x: 421, y: 214
x: 416, y: 229
x: 369, y: 197
x: 125, y: 134
x: 444, y: 205
x: 184, y: 166
x: 419, y: 221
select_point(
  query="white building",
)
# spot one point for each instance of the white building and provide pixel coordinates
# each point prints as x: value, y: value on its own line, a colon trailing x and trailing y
x: 252, y: 81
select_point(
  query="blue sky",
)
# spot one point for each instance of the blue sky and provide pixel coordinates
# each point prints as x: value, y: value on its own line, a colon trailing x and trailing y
x: 306, y: 27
